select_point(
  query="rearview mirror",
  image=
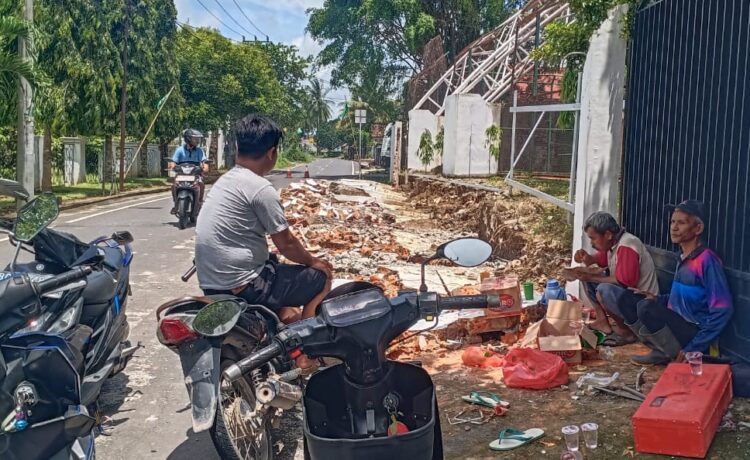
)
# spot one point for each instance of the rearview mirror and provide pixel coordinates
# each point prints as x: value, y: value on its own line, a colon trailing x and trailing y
x: 466, y: 252
x: 218, y: 318
x: 35, y: 216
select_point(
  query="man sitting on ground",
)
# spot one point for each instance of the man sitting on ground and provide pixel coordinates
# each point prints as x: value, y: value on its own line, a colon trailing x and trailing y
x: 628, y: 264
x: 699, y: 305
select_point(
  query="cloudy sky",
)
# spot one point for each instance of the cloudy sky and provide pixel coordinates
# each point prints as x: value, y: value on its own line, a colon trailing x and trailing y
x: 282, y: 20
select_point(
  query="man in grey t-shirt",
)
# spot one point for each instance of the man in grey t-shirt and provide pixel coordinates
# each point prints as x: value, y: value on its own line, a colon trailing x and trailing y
x: 231, y: 251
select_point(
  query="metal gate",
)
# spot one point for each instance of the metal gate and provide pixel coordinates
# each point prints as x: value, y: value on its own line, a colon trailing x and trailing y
x: 688, y: 135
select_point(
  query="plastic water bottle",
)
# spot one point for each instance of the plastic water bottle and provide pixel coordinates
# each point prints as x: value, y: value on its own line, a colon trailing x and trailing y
x: 553, y: 291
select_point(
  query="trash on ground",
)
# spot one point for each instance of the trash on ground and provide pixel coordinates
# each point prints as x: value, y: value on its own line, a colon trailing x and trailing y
x: 534, y: 369
x: 593, y: 378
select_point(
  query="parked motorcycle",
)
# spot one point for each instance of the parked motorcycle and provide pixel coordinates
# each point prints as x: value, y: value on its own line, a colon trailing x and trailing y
x: 238, y: 365
x: 63, y: 332
x: 188, y: 181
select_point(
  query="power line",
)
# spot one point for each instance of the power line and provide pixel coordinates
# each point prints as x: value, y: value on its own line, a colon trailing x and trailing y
x: 232, y: 17
x: 217, y: 18
x: 191, y: 30
x: 248, y: 18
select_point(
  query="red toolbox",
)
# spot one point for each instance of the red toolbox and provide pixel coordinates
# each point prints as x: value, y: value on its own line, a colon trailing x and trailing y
x: 682, y: 411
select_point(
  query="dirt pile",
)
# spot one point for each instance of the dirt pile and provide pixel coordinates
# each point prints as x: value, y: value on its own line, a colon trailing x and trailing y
x: 527, y: 232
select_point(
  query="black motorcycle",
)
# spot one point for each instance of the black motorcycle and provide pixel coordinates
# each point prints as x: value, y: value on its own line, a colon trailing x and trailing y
x: 187, y: 204
x: 60, y: 345
x: 237, y: 361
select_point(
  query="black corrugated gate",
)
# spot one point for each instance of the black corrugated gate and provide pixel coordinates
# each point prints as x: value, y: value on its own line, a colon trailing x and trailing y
x: 688, y: 134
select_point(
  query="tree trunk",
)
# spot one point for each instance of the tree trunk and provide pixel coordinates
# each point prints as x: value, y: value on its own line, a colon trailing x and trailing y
x: 143, y: 160
x: 107, y: 169
x: 163, y: 153
x: 213, y: 150
x: 47, y: 159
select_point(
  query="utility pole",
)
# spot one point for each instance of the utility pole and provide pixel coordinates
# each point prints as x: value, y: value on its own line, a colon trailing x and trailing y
x: 124, y: 93
x: 25, y: 151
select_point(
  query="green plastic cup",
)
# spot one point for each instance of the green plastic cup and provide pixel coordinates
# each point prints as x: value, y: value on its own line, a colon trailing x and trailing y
x: 528, y: 290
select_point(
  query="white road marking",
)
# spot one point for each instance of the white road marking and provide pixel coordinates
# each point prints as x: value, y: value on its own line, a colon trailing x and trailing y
x: 116, y: 209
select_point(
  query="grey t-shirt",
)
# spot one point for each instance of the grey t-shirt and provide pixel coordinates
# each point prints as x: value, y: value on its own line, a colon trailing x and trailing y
x: 230, y: 236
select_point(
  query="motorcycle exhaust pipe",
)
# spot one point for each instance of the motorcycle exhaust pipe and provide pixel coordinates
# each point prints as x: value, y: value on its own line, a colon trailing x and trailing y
x: 279, y: 394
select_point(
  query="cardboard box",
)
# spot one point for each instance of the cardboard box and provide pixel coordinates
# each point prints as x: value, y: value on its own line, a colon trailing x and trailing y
x: 554, y: 334
x: 682, y: 412
x: 568, y: 347
x: 509, y: 291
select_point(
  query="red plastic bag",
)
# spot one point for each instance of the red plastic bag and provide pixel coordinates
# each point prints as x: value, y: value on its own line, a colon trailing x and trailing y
x: 534, y: 369
x: 477, y: 357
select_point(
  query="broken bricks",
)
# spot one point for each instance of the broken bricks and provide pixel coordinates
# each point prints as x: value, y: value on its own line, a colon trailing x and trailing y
x: 337, y: 225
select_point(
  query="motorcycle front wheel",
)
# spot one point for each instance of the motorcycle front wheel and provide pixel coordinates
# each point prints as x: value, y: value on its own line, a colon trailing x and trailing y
x: 183, y: 214
x: 232, y: 432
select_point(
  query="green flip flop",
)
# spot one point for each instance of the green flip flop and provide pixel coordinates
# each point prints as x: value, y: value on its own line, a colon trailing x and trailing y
x: 511, y: 438
x: 485, y: 398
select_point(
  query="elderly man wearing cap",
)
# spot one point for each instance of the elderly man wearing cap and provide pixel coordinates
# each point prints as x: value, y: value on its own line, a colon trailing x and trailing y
x: 699, y: 305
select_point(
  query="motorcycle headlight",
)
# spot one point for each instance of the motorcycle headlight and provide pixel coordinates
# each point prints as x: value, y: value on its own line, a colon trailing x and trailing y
x: 68, y: 318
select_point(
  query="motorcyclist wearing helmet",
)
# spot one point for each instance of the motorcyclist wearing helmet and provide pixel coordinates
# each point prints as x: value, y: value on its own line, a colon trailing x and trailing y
x: 190, y: 152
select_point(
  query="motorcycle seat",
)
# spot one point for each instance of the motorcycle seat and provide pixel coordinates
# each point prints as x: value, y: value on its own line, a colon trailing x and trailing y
x: 99, y: 291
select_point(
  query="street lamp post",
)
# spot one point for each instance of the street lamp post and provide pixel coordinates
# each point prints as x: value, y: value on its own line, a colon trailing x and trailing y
x: 360, y: 117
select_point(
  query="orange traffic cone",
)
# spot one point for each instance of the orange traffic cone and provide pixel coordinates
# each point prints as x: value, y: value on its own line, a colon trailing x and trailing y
x: 288, y: 172
x: 307, y: 172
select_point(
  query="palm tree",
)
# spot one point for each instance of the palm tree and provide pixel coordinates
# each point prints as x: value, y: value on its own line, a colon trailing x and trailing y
x: 11, y: 65
x: 319, y: 110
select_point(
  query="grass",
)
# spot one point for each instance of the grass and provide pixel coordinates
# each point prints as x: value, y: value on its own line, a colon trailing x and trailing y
x: 88, y: 190
x: 296, y: 158
x: 555, y: 187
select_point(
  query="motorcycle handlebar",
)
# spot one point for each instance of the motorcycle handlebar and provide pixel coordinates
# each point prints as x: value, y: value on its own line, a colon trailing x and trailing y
x: 254, y: 361
x: 468, y: 301
x: 63, y: 279
x: 189, y: 274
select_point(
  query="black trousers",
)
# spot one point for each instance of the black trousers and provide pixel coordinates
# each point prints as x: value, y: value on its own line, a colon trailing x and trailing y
x: 655, y: 315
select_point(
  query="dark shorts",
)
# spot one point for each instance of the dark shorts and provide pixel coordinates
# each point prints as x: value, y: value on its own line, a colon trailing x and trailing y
x: 281, y: 285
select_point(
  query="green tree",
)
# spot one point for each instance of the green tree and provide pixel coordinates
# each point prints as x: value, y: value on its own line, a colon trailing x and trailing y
x: 223, y: 81
x: 11, y: 65
x: 385, y: 39
x: 328, y: 136
x: 440, y: 142
x: 426, y: 151
x: 169, y: 124
x: 377, y: 90
x: 494, y: 135
x: 318, y: 105
x: 292, y: 71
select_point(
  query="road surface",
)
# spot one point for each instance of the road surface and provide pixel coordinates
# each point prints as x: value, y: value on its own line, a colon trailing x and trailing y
x: 148, y: 403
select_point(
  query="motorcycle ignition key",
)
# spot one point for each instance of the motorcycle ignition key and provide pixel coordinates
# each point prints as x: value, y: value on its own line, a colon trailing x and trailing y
x: 391, y: 402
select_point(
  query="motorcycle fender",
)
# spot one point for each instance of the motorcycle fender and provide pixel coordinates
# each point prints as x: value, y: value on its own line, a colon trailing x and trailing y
x: 201, y: 364
x: 184, y: 193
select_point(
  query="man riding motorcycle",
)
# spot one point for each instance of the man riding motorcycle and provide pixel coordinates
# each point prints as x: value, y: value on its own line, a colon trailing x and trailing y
x: 231, y: 252
x: 190, y: 152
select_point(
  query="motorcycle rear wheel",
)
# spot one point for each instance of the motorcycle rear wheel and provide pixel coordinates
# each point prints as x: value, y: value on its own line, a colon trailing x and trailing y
x: 230, y: 437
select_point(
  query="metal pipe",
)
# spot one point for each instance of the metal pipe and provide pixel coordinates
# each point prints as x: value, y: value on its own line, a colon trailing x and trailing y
x: 574, y: 159
x: 513, y: 138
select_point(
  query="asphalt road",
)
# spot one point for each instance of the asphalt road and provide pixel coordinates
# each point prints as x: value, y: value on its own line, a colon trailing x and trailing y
x: 148, y: 402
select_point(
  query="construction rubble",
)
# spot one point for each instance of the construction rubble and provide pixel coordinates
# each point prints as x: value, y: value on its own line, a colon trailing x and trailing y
x: 534, y: 250
x: 348, y: 228
x: 366, y: 239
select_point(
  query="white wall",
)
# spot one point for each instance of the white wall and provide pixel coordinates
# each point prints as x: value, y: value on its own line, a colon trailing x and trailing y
x: 467, y: 117
x: 419, y: 121
x: 600, y: 139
